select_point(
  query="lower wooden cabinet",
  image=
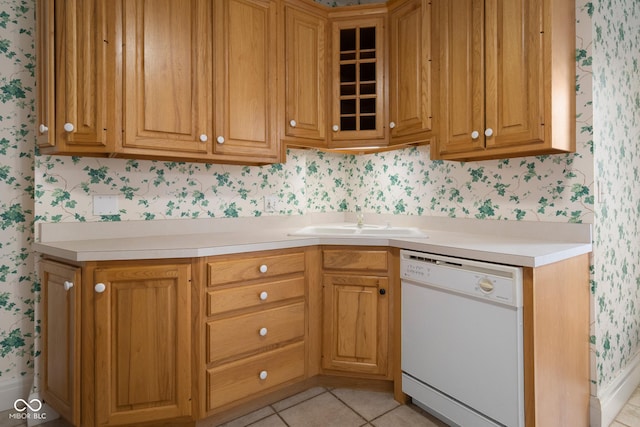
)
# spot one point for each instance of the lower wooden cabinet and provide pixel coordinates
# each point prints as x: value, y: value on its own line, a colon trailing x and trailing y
x: 143, y: 343
x: 60, y: 368
x: 356, y: 304
x: 117, y: 346
x: 255, y: 326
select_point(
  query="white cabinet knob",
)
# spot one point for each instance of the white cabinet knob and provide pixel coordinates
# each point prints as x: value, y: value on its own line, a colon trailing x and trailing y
x: 263, y: 268
x: 335, y: 128
x: 475, y: 134
x: 100, y: 287
x: 204, y: 138
x: 69, y: 127
x: 488, y: 132
x: 392, y: 125
x: 68, y: 285
x: 43, y: 129
x: 263, y: 375
x: 263, y: 296
x: 293, y: 123
x: 263, y: 332
x: 220, y: 139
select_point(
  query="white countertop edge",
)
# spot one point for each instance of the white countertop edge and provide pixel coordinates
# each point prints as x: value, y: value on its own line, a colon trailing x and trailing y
x: 523, y: 254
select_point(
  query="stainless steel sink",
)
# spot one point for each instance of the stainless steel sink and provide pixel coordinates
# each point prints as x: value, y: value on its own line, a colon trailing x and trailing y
x: 366, y: 230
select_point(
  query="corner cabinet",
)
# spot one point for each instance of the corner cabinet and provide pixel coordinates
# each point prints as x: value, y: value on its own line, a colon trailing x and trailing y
x: 357, y: 292
x: 507, y: 78
x: 358, y: 70
x: 117, y: 344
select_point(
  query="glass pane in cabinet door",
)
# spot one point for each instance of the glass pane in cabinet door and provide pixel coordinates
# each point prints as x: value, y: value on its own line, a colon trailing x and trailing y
x: 368, y: 38
x: 367, y: 122
x: 347, y: 73
x: 368, y: 72
x: 348, y: 40
x: 368, y: 106
x: 347, y: 123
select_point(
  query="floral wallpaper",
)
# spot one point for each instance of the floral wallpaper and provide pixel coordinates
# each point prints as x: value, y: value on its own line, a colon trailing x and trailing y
x: 616, y: 121
x: 18, y: 283
x: 598, y: 184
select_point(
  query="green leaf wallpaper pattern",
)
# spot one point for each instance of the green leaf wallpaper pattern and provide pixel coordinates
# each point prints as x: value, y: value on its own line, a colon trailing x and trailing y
x: 550, y: 188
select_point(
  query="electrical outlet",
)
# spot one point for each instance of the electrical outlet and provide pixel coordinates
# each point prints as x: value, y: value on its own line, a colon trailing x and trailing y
x: 105, y: 205
x: 271, y: 203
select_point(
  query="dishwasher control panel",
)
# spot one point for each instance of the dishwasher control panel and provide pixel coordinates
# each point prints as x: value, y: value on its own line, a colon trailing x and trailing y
x: 494, y: 282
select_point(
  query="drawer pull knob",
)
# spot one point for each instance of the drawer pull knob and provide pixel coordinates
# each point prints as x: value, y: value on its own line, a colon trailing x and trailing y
x: 100, y: 287
x: 43, y: 128
x: 263, y: 375
x: 264, y: 296
x: 69, y: 127
x: 382, y: 291
x: 68, y: 285
x: 263, y: 332
x: 263, y: 268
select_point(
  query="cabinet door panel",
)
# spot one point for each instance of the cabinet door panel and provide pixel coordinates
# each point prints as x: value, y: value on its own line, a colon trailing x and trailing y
x: 60, y: 376
x: 45, y: 76
x: 84, y: 82
x: 166, y: 75
x: 246, y: 51
x: 306, y: 74
x: 460, y: 27
x: 410, y: 90
x: 143, y: 348
x: 356, y: 323
x: 514, y: 95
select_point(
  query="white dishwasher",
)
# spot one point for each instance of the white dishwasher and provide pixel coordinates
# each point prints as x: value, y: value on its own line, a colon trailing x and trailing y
x: 462, y: 357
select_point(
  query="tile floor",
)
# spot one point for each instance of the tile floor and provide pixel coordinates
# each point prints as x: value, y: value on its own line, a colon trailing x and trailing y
x: 341, y: 407
x: 316, y: 407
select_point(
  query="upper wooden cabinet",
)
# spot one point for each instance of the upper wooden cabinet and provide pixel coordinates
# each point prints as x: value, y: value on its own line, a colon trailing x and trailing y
x: 247, y: 70
x: 166, y: 90
x: 507, y: 78
x: 305, y: 74
x: 168, y: 79
x: 76, y: 60
x: 358, y: 69
x: 410, y: 75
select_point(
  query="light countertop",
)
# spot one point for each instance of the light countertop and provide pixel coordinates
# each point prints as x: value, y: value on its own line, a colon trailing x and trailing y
x: 527, y: 244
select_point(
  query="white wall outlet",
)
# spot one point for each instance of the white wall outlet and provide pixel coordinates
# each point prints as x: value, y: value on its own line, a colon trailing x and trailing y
x: 271, y: 203
x: 105, y: 204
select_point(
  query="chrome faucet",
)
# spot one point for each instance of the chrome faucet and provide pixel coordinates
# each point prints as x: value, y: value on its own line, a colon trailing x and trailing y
x: 359, y: 216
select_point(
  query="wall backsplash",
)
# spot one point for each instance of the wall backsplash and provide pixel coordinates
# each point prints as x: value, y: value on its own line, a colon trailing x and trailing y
x: 549, y: 188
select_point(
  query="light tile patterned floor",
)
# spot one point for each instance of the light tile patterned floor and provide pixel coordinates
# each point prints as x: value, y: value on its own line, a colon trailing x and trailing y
x: 316, y: 407
x: 340, y: 407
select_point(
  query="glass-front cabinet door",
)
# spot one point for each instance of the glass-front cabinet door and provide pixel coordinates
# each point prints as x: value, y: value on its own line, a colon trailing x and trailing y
x: 358, y: 108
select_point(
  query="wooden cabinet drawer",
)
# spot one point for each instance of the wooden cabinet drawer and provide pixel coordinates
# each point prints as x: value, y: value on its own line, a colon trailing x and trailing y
x: 354, y: 259
x: 242, y: 334
x: 237, y: 380
x: 242, y: 268
x: 247, y: 296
